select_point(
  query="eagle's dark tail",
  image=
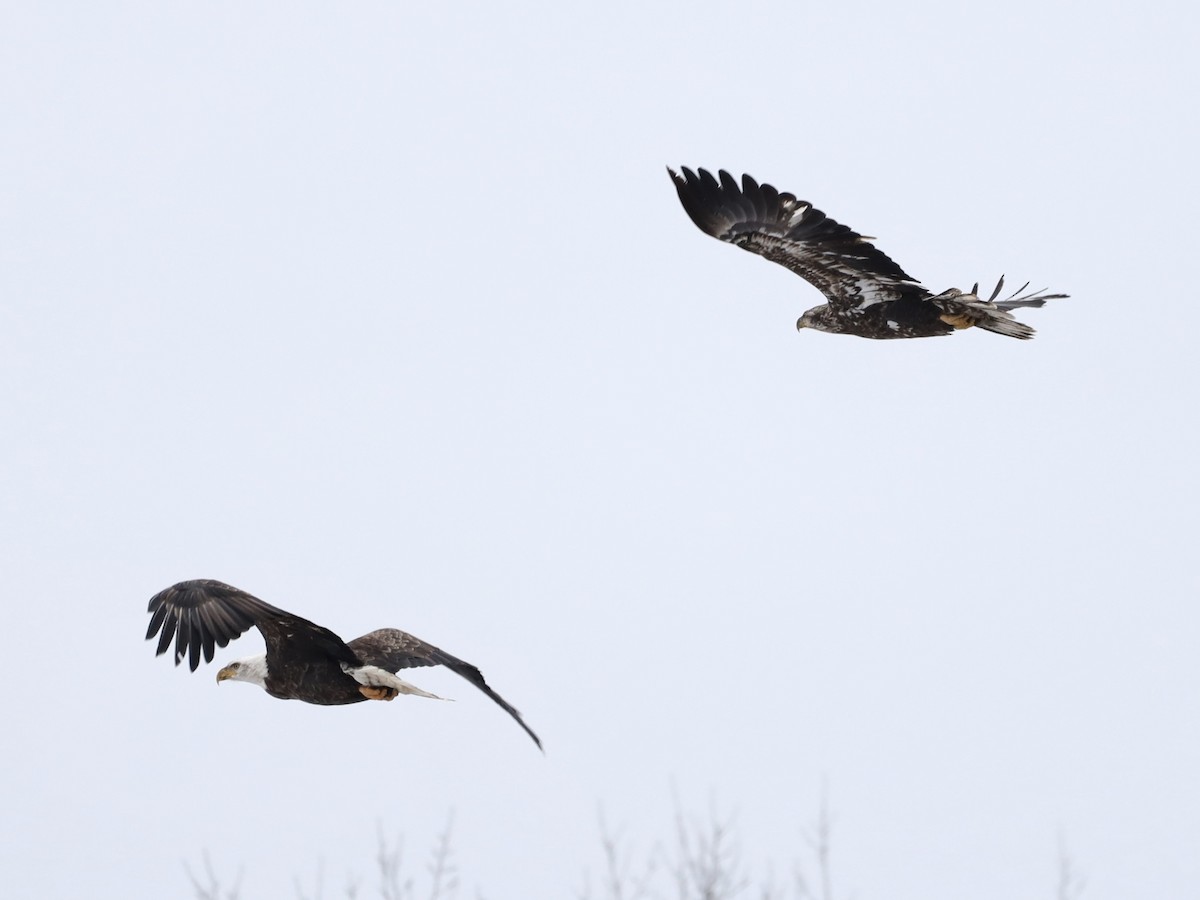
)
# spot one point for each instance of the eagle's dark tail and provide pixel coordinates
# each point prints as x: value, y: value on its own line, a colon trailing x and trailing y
x: 1037, y: 298
x: 994, y: 315
x: 1002, y: 322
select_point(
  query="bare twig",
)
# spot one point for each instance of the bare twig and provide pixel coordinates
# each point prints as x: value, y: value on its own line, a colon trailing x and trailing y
x: 708, y: 864
x: 443, y: 874
x: 819, y: 839
x: 319, y: 884
x: 390, y: 860
x: 1070, y: 882
x: 210, y: 888
x: 620, y: 880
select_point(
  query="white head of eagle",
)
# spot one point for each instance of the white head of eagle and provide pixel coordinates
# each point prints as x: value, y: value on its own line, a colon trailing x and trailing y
x: 252, y: 670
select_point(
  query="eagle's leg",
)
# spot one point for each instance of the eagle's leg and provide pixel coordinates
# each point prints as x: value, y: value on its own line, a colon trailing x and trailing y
x: 377, y: 693
x: 960, y: 320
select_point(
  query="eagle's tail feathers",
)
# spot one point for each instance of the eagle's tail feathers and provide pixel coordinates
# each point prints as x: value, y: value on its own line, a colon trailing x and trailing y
x: 373, y: 676
x: 1001, y: 322
x: 995, y: 293
x: 1018, y: 299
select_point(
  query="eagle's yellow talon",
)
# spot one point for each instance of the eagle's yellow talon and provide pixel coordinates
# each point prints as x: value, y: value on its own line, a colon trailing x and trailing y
x: 957, y: 321
x: 377, y: 693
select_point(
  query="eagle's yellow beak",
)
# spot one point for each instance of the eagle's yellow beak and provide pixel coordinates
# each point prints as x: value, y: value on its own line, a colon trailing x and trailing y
x: 225, y: 674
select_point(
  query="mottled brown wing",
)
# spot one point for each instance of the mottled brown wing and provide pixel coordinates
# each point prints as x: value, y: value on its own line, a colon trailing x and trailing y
x: 392, y: 649
x: 201, y: 615
x: 843, y: 265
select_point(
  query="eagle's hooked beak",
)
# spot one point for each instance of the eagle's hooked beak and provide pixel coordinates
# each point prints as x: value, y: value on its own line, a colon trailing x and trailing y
x: 800, y: 323
x: 226, y: 673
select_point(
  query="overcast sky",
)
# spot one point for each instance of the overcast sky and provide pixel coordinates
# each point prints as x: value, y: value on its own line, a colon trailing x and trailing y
x: 388, y: 313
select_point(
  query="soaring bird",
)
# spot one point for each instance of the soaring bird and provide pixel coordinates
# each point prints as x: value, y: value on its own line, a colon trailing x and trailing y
x: 304, y: 661
x: 869, y: 295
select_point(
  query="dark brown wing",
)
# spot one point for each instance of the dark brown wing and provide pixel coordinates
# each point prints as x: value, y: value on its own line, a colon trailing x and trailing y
x: 850, y: 271
x: 201, y: 615
x: 392, y: 649
x: 204, y: 614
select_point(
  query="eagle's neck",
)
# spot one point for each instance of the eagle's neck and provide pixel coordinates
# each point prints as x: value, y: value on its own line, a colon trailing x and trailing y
x: 821, y: 318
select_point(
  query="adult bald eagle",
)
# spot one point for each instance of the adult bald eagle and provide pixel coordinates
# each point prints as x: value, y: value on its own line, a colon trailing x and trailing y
x: 304, y: 661
x: 869, y: 295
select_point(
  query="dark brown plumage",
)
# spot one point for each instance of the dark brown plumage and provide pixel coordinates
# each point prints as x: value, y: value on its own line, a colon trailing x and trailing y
x: 868, y: 294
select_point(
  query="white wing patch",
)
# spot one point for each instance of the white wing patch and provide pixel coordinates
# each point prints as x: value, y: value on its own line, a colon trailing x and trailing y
x: 795, y: 210
x: 873, y: 289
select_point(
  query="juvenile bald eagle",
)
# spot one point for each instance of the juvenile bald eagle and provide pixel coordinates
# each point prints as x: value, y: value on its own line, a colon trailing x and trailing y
x: 303, y: 661
x: 869, y: 295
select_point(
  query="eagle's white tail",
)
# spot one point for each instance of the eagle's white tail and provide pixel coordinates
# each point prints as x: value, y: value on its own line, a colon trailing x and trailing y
x: 373, y: 676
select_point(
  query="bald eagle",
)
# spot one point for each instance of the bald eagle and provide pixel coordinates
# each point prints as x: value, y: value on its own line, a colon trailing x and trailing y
x: 869, y: 295
x: 304, y: 661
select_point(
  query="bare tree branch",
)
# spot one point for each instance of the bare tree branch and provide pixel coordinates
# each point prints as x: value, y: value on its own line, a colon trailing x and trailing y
x: 704, y: 862
x: 620, y: 880
x: 319, y: 884
x: 819, y: 839
x: 210, y: 888
x: 390, y: 861
x: 1070, y: 882
x: 443, y: 874
x: 708, y: 863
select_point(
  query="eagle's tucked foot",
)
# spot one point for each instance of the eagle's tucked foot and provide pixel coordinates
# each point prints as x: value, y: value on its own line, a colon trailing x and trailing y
x: 961, y: 320
x: 378, y: 693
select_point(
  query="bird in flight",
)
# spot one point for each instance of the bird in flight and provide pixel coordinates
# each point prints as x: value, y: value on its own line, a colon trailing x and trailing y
x: 868, y: 294
x: 304, y: 661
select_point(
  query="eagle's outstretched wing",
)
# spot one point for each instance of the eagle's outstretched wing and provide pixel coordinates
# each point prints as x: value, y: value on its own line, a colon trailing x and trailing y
x: 392, y: 649
x: 202, y: 615
x: 205, y: 614
x: 850, y: 271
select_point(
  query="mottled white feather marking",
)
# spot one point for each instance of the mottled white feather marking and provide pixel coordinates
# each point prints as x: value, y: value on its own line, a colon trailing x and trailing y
x: 795, y: 211
x: 873, y: 289
x: 373, y: 676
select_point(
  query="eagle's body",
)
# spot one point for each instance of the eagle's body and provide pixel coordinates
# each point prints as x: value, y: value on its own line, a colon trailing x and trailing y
x: 304, y: 661
x: 869, y: 294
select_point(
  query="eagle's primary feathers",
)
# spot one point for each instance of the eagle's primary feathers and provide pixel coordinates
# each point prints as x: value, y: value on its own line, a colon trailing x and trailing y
x: 869, y: 295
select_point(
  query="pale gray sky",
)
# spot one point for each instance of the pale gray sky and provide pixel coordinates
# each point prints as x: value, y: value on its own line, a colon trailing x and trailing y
x: 388, y: 313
